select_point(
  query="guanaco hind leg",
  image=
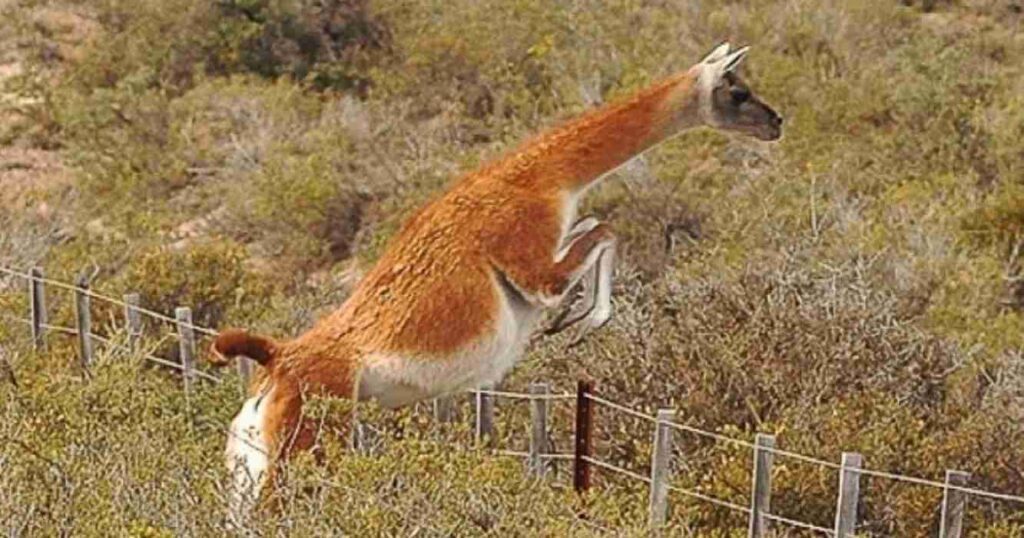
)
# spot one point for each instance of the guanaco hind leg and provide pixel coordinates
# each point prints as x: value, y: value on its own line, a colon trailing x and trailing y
x: 581, y: 227
x: 270, y: 428
x: 247, y: 456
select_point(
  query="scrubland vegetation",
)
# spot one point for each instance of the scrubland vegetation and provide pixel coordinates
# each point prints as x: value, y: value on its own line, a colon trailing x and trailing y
x: 856, y: 287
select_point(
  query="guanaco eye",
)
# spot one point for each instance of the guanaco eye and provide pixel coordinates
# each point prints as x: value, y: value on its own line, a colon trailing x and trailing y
x: 740, y: 95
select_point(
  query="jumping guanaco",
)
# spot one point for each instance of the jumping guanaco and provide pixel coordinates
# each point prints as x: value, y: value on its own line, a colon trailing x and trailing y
x: 453, y: 300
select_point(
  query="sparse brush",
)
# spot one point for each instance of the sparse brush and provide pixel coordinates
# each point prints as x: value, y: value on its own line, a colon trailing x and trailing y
x: 856, y: 287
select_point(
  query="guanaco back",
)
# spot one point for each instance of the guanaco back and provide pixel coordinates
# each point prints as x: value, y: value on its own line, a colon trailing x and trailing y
x: 452, y: 302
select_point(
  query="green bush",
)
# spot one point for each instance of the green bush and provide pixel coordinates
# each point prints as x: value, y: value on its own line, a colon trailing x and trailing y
x: 126, y: 453
x: 210, y: 278
x: 170, y: 45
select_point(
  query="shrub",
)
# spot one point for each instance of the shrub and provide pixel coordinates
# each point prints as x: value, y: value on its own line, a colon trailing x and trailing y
x: 211, y: 278
x: 169, y: 45
x: 327, y: 43
x: 303, y: 211
x: 126, y: 452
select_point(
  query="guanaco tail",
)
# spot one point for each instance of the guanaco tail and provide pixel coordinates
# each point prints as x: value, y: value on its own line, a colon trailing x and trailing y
x: 452, y: 302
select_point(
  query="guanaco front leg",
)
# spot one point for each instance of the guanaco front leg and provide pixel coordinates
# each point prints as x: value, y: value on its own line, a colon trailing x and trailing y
x: 597, y: 297
x: 577, y: 260
x: 594, y: 302
x: 586, y: 248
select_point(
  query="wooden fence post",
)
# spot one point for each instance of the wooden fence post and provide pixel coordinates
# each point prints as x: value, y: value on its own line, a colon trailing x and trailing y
x: 761, y: 489
x: 954, y: 504
x: 484, y: 417
x: 37, y: 299
x: 849, y: 493
x: 84, y: 320
x: 133, y: 319
x: 537, y: 464
x: 584, y: 436
x: 444, y: 409
x: 244, y: 373
x: 362, y: 438
x: 186, y: 344
x: 661, y: 468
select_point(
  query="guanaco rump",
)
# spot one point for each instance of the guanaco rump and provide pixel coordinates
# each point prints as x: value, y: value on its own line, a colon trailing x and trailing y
x: 459, y: 290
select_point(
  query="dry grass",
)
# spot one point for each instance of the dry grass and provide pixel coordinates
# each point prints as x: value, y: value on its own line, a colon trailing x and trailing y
x: 855, y: 287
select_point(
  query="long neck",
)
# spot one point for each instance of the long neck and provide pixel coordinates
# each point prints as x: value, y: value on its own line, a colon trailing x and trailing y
x: 578, y: 153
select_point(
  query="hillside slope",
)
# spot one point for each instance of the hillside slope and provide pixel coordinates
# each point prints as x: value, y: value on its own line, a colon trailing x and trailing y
x: 856, y: 287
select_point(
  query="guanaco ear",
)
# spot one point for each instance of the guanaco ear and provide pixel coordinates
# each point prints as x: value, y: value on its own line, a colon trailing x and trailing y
x: 714, y: 56
x: 732, y: 61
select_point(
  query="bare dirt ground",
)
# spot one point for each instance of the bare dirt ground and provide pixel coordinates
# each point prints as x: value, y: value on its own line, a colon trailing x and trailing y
x: 28, y: 173
x: 35, y: 183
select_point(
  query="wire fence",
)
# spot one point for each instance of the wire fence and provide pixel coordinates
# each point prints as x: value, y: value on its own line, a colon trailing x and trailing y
x: 954, y: 489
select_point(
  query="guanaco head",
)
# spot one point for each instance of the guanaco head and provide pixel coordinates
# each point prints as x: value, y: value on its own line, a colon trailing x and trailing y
x: 726, y: 101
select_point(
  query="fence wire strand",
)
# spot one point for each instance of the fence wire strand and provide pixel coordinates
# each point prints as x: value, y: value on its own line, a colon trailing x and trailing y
x: 526, y: 396
x: 511, y: 453
x: 707, y: 498
x: 800, y: 524
x: 710, y: 435
x: 940, y: 485
x: 109, y: 341
x: 524, y: 454
x: 800, y: 457
x: 616, y: 469
x: 523, y: 396
x: 95, y: 295
x: 55, y: 328
x: 620, y: 408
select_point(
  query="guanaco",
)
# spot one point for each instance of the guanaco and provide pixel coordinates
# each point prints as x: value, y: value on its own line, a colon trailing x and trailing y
x: 452, y: 302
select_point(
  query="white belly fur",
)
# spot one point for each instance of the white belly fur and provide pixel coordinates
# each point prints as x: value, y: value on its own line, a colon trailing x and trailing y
x: 395, y: 380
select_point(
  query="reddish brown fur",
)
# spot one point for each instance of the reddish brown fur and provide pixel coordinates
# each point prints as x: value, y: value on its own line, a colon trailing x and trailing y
x: 233, y: 342
x: 432, y: 292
